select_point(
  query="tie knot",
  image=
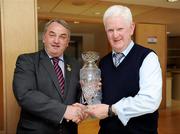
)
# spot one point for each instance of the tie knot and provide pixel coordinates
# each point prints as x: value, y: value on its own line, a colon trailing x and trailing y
x: 117, y: 58
x: 118, y: 55
x: 55, y: 60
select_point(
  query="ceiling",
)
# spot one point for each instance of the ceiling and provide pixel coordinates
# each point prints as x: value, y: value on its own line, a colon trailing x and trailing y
x: 89, y: 12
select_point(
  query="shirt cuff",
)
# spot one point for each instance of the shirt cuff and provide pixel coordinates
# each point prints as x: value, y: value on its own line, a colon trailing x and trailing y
x: 120, y: 112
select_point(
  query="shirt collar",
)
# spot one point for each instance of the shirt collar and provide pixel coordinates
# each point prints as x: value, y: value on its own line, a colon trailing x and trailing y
x: 60, y: 57
x: 126, y: 51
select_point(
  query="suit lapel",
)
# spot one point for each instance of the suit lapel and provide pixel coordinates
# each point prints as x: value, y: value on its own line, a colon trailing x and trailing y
x: 46, y: 62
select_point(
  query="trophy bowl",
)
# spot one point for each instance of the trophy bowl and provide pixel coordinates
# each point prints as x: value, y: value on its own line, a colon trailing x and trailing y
x: 90, y: 76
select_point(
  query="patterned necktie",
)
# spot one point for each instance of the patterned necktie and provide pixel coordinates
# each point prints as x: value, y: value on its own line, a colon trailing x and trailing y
x: 117, y: 58
x: 59, y: 74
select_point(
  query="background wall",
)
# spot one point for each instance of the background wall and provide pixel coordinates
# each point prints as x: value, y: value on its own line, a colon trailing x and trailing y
x: 18, y: 28
x: 1, y: 87
x: 173, y: 49
x: 154, y: 36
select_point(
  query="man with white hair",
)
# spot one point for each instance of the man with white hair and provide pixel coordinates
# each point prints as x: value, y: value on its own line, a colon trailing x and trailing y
x: 131, y: 80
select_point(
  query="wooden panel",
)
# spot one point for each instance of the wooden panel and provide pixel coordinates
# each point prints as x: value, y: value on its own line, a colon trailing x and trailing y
x: 2, y: 132
x: 19, y: 35
x: 156, y: 32
x: 1, y: 86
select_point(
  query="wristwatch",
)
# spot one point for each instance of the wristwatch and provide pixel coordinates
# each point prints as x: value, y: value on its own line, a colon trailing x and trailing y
x: 110, y: 112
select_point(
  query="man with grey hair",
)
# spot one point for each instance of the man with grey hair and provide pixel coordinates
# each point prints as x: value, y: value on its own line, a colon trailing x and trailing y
x: 46, y: 86
x: 131, y: 80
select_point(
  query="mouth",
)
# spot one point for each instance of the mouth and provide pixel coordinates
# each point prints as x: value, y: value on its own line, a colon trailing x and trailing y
x: 55, y: 46
x: 115, y: 41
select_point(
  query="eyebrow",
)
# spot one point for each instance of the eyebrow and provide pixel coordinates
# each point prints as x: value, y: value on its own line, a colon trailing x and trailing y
x: 51, y: 32
x: 60, y: 34
x: 64, y: 34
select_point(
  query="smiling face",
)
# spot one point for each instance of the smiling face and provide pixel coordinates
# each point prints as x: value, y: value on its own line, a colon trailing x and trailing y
x: 56, y: 39
x: 119, y: 32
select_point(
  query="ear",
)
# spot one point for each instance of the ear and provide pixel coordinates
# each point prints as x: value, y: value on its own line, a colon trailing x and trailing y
x: 69, y: 39
x: 132, y: 27
x: 43, y: 38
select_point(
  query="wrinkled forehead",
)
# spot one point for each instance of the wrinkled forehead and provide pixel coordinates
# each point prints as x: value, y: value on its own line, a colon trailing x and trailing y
x: 57, y: 28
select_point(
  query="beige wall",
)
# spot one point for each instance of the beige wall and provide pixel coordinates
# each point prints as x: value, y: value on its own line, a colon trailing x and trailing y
x: 1, y: 86
x: 158, y: 32
x: 96, y: 41
x: 87, y: 40
x: 19, y: 30
x: 101, y: 43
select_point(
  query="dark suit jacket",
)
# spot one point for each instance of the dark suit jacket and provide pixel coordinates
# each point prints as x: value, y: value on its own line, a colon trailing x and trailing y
x: 36, y: 89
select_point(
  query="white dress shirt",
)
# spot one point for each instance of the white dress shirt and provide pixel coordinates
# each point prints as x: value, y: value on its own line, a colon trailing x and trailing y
x: 149, y: 96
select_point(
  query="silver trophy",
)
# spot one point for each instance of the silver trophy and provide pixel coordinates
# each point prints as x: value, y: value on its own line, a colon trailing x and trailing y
x: 90, y: 76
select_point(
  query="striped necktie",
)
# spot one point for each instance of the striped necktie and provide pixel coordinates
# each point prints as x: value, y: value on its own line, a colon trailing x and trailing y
x: 117, y: 58
x: 59, y: 74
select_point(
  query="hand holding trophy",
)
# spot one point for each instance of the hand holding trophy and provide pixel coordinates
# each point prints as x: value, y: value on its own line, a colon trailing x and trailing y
x: 90, y: 76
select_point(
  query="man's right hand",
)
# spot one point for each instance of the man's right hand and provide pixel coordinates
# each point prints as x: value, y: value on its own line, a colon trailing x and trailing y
x: 74, y: 113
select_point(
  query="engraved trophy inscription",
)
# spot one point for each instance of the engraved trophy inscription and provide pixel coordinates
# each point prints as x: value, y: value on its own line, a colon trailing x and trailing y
x: 90, y: 76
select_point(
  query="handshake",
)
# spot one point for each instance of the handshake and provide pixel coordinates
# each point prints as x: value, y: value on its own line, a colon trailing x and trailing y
x: 79, y: 112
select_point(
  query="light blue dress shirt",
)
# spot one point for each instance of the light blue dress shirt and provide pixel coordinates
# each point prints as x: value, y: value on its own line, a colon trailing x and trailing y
x: 149, y: 96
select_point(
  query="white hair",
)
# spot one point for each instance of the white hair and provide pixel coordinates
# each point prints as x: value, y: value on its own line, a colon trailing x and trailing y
x: 118, y: 11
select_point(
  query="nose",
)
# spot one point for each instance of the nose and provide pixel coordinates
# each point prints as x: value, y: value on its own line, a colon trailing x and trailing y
x: 115, y: 34
x: 56, y: 40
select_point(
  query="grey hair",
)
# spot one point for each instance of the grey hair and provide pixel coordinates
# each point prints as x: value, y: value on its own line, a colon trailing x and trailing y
x: 116, y: 11
x: 60, y: 21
